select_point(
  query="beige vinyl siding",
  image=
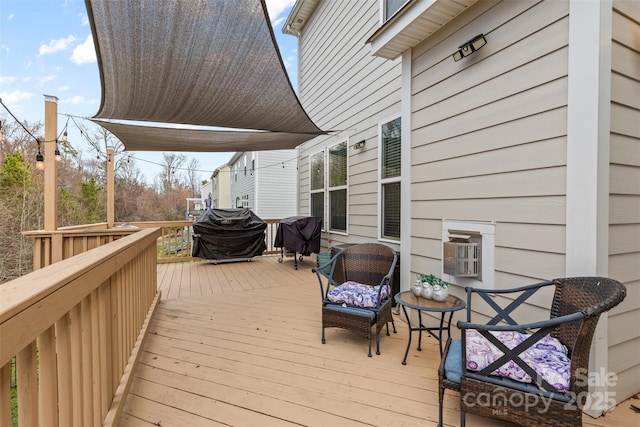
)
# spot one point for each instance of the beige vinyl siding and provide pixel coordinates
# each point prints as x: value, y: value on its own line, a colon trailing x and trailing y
x: 489, y: 137
x: 624, y: 203
x: 346, y: 90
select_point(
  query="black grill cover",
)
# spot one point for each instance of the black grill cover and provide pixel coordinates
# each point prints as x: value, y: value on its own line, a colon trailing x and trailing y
x: 224, y: 234
x: 300, y: 234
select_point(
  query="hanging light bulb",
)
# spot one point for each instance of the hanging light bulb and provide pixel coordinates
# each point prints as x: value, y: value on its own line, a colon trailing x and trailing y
x: 56, y: 153
x: 64, y: 137
x: 39, y: 158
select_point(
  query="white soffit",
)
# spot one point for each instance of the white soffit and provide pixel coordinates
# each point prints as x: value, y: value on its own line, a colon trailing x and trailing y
x: 298, y: 17
x: 413, y: 24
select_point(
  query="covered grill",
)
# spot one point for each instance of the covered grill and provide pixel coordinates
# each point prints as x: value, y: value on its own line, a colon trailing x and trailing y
x: 300, y: 235
x: 228, y: 235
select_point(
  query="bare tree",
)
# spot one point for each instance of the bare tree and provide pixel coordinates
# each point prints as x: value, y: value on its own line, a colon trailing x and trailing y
x: 193, y: 177
x: 170, y: 175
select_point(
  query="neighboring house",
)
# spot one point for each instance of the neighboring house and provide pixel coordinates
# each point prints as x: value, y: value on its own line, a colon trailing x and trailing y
x: 265, y: 182
x: 529, y: 147
x: 220, y: 188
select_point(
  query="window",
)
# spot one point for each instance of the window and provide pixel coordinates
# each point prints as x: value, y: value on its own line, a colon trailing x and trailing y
x: 390, y: 7
x: 390, y: 167
x: 337, y: 175
x: 238, y: 203
x: 245, y: 201
x: 316, y: 197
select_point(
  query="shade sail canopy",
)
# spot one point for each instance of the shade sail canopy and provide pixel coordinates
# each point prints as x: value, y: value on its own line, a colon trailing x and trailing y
x: 149, y: 138
x: 198, y: 62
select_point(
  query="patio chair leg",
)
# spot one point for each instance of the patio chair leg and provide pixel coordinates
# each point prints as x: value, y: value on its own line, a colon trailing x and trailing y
x: 462, y: 418
x: 378, y: 344
x: 323, y: 340
x: 369, y: 347
x: 394, y: 326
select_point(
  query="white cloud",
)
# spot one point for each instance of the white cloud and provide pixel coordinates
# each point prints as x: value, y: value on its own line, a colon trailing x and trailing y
x: 15, y: 96
x: 289, y: 61
x: 47, y: 78
x: 7, y: 79
x: 84, y: 53
x: 57, y: 45
x: 64, y: 88
x: 10, y: 17
x: 84, y: 19
x: 5, y: 49
x: 78, y: 100
x: 276, y: 7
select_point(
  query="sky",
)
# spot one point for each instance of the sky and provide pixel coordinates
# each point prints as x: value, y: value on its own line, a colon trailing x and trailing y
x: 46, y: 48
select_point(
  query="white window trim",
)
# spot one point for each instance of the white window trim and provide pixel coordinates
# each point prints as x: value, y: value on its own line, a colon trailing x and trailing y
x: 324, y: 185
x: 382, y: 181
x: 340, y: 187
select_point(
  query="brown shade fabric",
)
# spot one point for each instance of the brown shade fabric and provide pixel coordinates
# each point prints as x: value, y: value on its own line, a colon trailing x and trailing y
x: 199, y: 62
x: 149, y: 138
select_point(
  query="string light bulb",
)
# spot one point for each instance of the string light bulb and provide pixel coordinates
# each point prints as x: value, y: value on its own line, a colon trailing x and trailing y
x: 39, y: 158
x: 56, y: 153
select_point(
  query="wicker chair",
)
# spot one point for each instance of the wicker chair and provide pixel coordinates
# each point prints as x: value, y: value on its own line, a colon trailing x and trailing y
x: 369, y: 264
x: 575, y: 309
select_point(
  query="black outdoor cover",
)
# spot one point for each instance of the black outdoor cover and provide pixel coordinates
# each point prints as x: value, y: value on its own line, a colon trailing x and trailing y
x: 224, y: 234
x: 300, y: 234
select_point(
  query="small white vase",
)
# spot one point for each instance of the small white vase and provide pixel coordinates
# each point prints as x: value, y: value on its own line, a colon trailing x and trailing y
x: 417, y: 287
x: 427, y: 290
x: 440, y: 293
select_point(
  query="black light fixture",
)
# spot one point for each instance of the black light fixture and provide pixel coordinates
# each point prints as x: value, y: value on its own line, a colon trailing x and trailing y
x: 469, y: 47
x: 39, y: 157
x: 359, y: 145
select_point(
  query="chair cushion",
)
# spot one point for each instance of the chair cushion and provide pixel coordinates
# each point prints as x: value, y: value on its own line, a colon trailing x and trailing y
x: 453, y: 362
x: 357, y: 294
x: 547, y: 357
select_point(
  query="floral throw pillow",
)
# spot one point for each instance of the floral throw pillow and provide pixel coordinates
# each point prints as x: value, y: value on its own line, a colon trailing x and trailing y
x: 357, y: 294
x: 547, y: 357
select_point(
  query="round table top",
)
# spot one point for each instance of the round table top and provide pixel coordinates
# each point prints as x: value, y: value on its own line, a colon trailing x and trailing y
x: 409, y: 299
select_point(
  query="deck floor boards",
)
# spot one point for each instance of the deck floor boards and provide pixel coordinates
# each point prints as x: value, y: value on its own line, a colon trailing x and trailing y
x: 238, y: 344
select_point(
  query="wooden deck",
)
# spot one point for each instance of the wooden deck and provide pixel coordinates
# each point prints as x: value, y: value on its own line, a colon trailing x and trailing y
x: 239, y: 344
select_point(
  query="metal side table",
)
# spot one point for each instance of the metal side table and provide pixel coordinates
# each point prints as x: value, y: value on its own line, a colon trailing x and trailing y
x: 407, y: 299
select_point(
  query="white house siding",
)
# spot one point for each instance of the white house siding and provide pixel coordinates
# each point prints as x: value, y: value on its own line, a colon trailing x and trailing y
x: 346, y: 90
x: 276, y: 183
x: 624, y: 205
x: 242, y: 182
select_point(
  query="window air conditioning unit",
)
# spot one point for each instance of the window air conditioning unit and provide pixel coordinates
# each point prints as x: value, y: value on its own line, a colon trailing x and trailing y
x: 462, y: 254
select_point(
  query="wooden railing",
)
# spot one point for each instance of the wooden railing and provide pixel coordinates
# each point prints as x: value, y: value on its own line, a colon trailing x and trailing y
x: 175, y: 243
x: 74, y: 328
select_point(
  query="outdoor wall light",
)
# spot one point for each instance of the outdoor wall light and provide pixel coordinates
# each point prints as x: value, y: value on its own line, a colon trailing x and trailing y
x: 469, y: 47
x: 359, y: 145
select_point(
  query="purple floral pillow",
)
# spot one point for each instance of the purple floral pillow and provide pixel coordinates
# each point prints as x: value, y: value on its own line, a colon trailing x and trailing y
x: 357, y: 294
x: 547, y: 357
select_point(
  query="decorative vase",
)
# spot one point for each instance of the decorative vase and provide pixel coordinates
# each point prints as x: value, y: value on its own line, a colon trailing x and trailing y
x: 417, y: 287
x: 427, y: 290
x: 440, y: 293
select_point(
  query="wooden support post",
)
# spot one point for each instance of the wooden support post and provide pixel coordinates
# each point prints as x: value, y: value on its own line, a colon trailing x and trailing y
x: 110, y: 188
x: 50, y: 168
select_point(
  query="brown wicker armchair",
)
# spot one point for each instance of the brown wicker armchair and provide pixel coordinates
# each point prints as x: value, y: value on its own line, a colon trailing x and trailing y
x: 533, y: 399
x: 369, y: 267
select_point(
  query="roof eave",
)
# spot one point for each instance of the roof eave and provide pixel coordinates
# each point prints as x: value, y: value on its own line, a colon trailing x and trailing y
x: 415, y: 22
x: 298, y: 17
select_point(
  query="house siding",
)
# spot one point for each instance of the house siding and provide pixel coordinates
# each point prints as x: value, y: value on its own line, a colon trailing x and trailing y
x: 493, y: 139
x: 276, y: 183
x: 347, y: 91
x: 624, y: 199
x: 489, y: 137
x: 242, y: 183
